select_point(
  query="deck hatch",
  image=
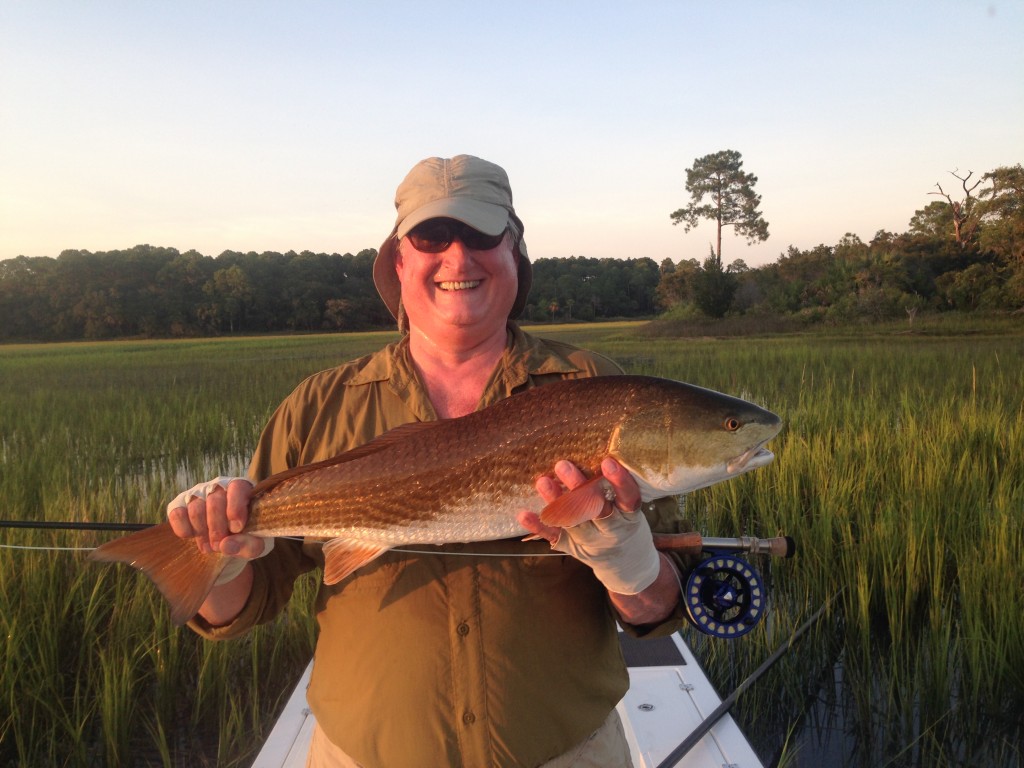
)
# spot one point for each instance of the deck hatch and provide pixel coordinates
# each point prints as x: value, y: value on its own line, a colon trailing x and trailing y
x: 656, y: 652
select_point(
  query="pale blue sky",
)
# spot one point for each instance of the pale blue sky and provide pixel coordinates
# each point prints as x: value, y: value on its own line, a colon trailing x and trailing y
x: 287, y: 126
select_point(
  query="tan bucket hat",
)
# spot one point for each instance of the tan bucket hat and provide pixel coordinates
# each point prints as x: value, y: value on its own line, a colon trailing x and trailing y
x: 466, y: 188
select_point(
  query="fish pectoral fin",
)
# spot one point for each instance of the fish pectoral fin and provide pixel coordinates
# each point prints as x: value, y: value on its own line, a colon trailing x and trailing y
x: 584, y: 502
x: 342, y: 557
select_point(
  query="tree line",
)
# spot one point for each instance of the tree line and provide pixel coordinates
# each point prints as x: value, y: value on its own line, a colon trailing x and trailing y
x: 151, y: 291
x: 963, y: 251
x: 159, y: 292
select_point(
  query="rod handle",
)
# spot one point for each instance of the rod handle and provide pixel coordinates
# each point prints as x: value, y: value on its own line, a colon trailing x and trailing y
x: 693, y: 544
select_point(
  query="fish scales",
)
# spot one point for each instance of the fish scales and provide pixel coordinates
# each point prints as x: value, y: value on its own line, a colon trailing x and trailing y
x: 490, y: 461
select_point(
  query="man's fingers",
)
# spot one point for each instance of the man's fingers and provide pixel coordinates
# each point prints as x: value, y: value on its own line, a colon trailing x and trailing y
x: 239, y: 493
x: 570, y: 475
x: 208, y: 519
x: 531, y: 522
x: 627, y: 492
x: 197, y: 516
x: 180, y: 523
x: 548, y: 488
x: 216, y: 517
x: 243, y: 545
x: 211, y: 511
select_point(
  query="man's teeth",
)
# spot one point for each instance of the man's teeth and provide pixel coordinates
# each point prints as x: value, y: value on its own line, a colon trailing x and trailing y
x: 458, y: 285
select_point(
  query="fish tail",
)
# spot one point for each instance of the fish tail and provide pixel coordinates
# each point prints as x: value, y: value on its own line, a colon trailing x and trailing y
x: 182, y: 573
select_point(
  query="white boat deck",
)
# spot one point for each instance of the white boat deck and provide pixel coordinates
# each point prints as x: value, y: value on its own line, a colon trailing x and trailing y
x: 288, y: 743
x: 669, y: 696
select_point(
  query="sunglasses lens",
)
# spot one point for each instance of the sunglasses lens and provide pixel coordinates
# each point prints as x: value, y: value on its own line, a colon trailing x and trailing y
x: 436, y: 235
x: 432, y: 236
x: 478, y: 241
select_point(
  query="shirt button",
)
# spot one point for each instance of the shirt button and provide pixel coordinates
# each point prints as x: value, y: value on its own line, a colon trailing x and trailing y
x: 463, y: 629
x: 469, y: 718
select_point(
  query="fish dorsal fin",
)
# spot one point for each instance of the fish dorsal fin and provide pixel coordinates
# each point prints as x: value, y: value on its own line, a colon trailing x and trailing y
x: 343, y: 557
x: 584, y: 502
x: 377, y: 444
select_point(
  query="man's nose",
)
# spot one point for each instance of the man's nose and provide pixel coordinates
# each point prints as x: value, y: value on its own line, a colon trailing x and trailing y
x: 457, y: 252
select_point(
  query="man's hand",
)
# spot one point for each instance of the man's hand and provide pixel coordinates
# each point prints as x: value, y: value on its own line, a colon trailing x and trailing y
x: 618, y: 545
x: 214, y: 514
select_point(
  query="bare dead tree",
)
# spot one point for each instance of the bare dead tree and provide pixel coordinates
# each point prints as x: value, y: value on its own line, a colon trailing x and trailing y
x: 964, y: 223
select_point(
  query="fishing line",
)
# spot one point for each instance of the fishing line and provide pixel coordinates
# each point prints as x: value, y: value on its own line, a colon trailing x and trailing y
x: 479, y: 554
x: 292, y: 538
x: 66, y: 526
x: 48, y: 549
x: 91, y: 526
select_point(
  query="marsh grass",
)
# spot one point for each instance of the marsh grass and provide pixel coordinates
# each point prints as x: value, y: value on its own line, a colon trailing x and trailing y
x: 93, y: 671
x: 899, y: 473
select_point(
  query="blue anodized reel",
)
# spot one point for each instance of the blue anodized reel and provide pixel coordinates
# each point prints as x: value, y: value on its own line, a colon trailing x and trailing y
x: 724, y: 596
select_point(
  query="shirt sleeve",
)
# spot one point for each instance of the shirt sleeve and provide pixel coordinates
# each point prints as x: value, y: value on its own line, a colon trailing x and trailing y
x: 273, y: 581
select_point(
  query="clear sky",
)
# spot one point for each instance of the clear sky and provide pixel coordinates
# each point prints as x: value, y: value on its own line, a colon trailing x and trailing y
x: 256, y: 126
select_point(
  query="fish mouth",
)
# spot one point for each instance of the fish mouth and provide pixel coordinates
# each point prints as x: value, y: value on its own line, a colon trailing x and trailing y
x: 756, y: 457
x: 458, y: 285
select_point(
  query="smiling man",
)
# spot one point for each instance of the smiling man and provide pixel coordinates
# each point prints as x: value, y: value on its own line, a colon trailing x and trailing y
x: 453, y: 272
x: 491, y: 653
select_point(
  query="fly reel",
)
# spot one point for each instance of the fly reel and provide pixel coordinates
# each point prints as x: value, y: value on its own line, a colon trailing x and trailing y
x: 724, y: 596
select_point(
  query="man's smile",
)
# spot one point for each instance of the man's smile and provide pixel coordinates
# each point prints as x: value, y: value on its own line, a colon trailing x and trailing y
x: 457, y: 285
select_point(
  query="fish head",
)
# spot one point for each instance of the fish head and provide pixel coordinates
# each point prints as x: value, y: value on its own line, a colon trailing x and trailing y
x: 682, y: 437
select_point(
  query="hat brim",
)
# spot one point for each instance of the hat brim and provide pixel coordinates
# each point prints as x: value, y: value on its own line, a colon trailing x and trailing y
x: 385, y: 277
x: 484, y: 217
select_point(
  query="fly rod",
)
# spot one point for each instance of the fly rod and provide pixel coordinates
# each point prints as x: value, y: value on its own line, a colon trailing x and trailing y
x: 708, y: 723
x: 73, y: 526
x: 694, y: 544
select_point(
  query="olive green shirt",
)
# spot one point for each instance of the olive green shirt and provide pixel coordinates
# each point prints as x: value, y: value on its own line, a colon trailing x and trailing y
x: 448, y: 656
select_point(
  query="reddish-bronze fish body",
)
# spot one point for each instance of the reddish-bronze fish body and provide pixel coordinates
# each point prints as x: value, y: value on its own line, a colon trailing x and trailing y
x: 465, y: 479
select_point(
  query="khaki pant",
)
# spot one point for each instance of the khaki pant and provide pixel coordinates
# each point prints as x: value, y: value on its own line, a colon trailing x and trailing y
x: 605, y: 748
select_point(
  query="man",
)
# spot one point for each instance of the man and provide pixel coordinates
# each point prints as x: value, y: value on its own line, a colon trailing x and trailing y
x: 491, y: 653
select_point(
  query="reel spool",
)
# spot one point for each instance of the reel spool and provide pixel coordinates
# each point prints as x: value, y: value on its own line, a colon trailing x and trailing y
x: 724, y: 596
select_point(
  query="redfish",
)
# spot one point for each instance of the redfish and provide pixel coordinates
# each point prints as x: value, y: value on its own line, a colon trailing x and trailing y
x: 465, y: 479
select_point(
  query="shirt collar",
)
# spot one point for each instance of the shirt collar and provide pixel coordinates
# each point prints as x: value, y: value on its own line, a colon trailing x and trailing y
x: 525, y: 356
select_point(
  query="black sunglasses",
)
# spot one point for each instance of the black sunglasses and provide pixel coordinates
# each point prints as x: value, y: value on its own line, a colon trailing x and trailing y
x: 437, y: 235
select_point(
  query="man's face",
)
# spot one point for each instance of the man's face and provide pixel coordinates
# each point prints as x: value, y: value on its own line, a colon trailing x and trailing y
x: 460, y: 287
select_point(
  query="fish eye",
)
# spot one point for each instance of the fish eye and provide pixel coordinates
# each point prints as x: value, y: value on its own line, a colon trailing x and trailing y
x: 732, y: 423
